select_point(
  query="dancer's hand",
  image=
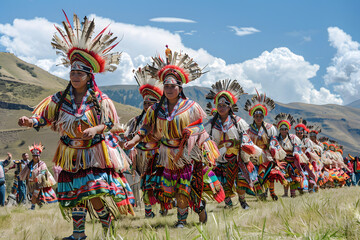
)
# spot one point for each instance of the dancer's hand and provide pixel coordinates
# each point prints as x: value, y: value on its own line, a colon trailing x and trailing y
x: 129, y: 145
x: 25, y: 122
x: 90, y: 133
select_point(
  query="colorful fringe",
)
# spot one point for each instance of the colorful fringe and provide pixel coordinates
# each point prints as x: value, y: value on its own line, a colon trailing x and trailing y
x: 47, y: 195
x: 75, y: 188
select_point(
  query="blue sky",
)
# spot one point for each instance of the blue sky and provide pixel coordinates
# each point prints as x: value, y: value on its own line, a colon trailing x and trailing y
x: 294, y: 44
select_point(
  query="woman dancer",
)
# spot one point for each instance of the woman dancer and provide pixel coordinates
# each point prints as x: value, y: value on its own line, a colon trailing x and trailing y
x: 264, y: 134
x: 185, y: 148
x: 229, y: 133
x: 82, y: 114
x: 39, y: 179
x: 145, y: 155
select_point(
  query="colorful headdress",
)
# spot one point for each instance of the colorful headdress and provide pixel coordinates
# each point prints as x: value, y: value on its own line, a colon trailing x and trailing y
x: 301, y: 125
x: 226, y: 91
x: 324, y: 140
x: 181, y: 69
x: 36, y: 149
x: 340, y: 149
x: 150, y: 88
x: 314, y: 129
x: 82, y: 52
x: 284, y: 119
x: 259, y: 103
x: 332, y: 145
x: 210, y: 110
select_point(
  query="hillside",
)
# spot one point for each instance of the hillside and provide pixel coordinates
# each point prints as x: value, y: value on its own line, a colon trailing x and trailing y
x: 338, y: 122
x: 355, y: 104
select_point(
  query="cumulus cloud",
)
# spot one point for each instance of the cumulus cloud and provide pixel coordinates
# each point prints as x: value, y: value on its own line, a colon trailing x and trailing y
x: 243, y: 31
x: 344, y: 71
x: 280, y: 73
x: 172, y: 20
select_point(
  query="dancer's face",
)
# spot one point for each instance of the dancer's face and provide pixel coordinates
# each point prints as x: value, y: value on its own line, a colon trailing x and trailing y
x: 171, y: 91
x: 147, y: 104
x: 300, y: 134
x: 25, y: 156
x: 223, y: 109
x: 284, y: 132
x: 79, y: 79
x: 258, y: 118
x: 36, y: 158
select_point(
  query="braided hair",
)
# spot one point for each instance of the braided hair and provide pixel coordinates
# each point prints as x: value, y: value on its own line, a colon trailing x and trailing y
x: 58, y: 105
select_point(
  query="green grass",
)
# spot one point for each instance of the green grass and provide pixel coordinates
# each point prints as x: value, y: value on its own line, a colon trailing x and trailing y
x: 328, y: 214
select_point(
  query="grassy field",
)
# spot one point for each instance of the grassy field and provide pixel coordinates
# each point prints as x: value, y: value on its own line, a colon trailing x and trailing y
x: 328, y: 214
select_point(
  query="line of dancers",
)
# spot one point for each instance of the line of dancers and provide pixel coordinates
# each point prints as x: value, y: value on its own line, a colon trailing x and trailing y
x: 182, y: 155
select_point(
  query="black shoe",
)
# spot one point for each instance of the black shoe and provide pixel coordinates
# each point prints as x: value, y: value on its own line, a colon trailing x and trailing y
x: 73, y: 238
x: 180, y: 224
x: 244, y: 204
x: 274, y: 197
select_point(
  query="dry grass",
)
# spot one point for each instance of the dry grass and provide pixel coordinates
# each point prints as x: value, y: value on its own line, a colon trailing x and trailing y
x: 329, y: 214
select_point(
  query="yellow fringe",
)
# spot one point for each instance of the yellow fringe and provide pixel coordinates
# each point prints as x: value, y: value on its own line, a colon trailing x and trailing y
x: 42, y: 105
x: 106, y: 154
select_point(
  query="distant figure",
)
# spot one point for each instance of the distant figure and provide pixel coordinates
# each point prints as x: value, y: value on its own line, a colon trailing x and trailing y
x: 3, y: 164
x: 167, y: 54
x: 39, y: 179
x: 18, y: 190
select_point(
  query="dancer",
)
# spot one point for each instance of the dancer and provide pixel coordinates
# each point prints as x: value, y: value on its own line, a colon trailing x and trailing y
x: 186, y: 148
x: 82, y: 114
x: 309, y: 166
x: 294, y: 155
x: 264, y: 134
x: 229, y: 133
x: 38, y: 178
x: 145, y: 155
x: 18, y: 190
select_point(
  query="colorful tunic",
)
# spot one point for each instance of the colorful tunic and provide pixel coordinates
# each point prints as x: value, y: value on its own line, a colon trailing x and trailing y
x: 89, y: 166
x: 39, y: 181
x: 266, y: 140
x: 186, y: 151
x: 294, y: 156
x: 229, y: 166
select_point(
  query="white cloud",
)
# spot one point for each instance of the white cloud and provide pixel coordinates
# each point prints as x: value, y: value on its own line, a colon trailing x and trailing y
x: 307, y: 39
x: 244, y: 30
x: 282, y: 74
x: 172, y: 20
x: 344, y: 72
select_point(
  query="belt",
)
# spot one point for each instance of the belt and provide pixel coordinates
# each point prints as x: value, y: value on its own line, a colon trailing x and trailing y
x: 79, y: 143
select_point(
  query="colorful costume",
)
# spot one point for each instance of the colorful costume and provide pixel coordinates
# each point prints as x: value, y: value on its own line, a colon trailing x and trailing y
x: 91, y: 168
x: 39, y: 179
x: 232, y: 139
x: 145, y: 154
x: 18, y: 190
x: 264, y: 137
x: 186, y: 150
x: 291, y: 144
x: 307, y: 146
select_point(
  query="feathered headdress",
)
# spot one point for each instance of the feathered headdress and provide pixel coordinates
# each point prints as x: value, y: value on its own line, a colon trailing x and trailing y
x: 150, y: 88
x: 301, y: 125
x: 36, y: 149
x: 226, y: 91
x: 210, y: 110
x: 81, y: 51
x: 259, y: 103
x: 314, y: 129
x: 180, y: 69
x: 340, y: 149
x: 284, y: 119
